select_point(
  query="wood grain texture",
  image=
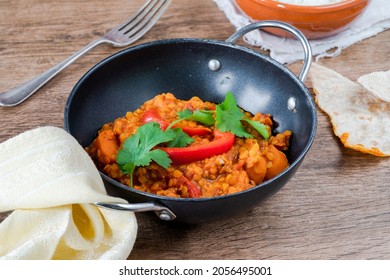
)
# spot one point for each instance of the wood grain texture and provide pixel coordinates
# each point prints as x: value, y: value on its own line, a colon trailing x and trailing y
x: 337, y: 206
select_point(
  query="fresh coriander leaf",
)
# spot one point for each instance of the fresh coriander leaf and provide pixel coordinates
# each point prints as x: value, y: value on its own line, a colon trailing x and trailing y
x: 129, y: 167
x: 137, y: 149
x: 184, y: 114
x: 181, y: 139
x: 261, y: 128
x: 126, y: 158
x: 160, y: 157
x: 150, y: 135
x: 127, y: 154
x: 202, y: 116
x: 229, y: 117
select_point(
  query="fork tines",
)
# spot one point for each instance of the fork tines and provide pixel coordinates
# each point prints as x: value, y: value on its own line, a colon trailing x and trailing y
x: 146, y: 16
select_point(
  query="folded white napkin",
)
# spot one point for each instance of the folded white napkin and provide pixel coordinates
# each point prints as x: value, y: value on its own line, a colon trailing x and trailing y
x: 48, y: 182
x: 375, y: 19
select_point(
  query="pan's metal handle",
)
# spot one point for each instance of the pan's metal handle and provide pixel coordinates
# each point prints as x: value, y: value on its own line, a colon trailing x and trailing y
x: 162, y: 212
x: 281, y: 25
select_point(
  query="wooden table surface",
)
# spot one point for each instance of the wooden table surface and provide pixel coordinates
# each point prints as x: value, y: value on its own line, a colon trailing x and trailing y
x: 337, y: 206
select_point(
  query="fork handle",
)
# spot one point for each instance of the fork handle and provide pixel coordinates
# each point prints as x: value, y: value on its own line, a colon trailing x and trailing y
x: 20, y: 93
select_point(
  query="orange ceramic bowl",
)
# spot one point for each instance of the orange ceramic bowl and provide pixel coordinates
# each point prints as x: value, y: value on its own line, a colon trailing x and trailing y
x: 314, y: 21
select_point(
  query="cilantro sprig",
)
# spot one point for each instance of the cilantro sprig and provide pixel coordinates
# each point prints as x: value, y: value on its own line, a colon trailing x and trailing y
x: 203, y: 116
x: 228, y: 118
x: 180, y: 138
x: 137, y: 150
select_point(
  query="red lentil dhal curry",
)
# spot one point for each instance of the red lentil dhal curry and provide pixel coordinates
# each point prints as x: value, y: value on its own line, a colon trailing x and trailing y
x: 190, y: 148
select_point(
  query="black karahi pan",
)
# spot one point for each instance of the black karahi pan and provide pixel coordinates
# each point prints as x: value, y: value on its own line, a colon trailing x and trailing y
x: 208, y: 69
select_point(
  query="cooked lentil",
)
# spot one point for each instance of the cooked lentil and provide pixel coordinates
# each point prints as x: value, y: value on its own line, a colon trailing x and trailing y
x: 249, y: 162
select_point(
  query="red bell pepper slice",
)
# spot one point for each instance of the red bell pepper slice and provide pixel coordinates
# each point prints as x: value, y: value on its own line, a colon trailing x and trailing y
x: 222, y: 143
x: 153, y: 116
x: 191, y: 131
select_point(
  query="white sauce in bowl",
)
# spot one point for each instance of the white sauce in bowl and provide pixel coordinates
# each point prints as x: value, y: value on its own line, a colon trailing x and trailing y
x: 310, y: 2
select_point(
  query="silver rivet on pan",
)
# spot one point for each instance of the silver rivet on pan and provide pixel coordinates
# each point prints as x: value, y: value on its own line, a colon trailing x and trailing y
x: 214, y: 65
x: 292, y: 104
x: 164, y: 216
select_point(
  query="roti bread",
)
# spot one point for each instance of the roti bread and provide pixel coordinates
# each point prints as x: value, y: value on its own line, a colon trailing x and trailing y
x: 360, y: 119
x: 378, y: 83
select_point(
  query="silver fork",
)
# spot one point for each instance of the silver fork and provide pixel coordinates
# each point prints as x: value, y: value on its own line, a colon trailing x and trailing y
x: 123, y: 35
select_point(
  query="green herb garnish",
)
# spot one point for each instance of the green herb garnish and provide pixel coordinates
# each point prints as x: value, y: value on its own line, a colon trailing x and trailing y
x: 180, y: 138
x: 202, y: 116
x: 228, y: 118
x: 260, y: 128
x: 138, y: 149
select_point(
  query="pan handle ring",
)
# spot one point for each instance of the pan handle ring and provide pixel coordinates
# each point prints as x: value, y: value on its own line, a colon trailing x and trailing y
x: 162, y: 212
x: 281, y: 25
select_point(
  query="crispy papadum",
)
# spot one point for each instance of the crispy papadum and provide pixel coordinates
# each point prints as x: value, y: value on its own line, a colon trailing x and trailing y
x: 378, y: 83
x: 359, y: 119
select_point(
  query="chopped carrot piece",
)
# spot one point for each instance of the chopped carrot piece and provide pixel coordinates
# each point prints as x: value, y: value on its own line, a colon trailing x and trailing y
x: 277, y: 162
x: 257, y: 172
x: 107, y: 146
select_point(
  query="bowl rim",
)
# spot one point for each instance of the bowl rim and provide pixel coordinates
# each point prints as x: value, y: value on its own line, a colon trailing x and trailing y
x: 346, y: 4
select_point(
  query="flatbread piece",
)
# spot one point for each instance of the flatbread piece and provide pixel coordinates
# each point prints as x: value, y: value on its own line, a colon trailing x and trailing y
x: 359, y: 119
x: 378, y: 83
